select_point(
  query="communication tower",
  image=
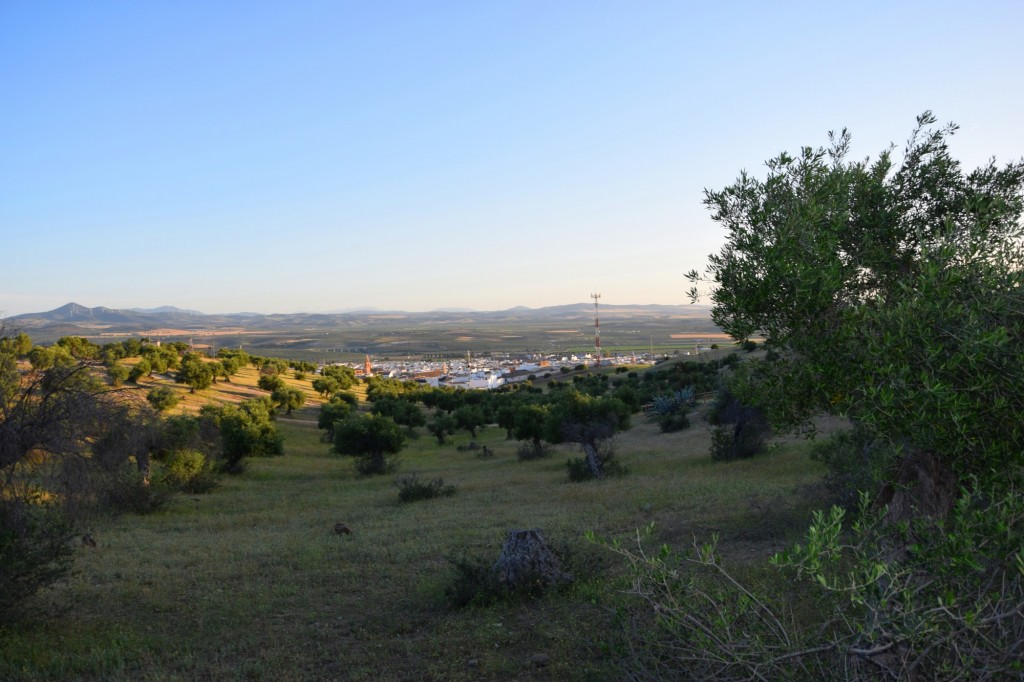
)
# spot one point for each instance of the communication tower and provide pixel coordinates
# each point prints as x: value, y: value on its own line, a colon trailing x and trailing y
x: 597, y: 331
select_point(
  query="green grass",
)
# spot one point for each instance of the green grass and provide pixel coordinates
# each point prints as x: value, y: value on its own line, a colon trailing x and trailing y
x: 251, y: 582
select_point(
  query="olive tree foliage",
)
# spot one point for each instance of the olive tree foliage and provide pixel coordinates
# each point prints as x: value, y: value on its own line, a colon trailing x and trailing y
x: 326, y: 385
x: 247, y: 430
x: 332, y: 411
x: 289, y: 398
x: 442, y: 426
x: 195, y: 372
x: 890, y: 292
x: 345, y: 376
x: 270, y: 382
x: 162, y: 398
x: 576, y: 417
x: 374, y: 440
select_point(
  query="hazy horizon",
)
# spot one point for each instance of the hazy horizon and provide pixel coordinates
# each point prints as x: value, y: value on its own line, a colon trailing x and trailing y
x: 338, y: 311
x: 315, y: 156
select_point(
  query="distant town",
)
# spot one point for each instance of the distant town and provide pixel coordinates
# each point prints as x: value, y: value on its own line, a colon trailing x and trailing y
x: 495, y: 370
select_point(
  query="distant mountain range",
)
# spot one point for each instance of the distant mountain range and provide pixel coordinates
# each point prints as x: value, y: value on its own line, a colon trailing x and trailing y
x: 79, y: 320
x: 161, y: 309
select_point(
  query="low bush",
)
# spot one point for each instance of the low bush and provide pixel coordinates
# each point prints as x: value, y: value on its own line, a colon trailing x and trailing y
x: 738, y: 441
x: 188, y: 471
x: 670, y: 411
x: 474, y: 583
x: 162, y: 398
x: 270, y: 382
x: 371, y: 465
x: 35, y: 551
x: 580, y: 471
x: 741, y: 432
x: 530, y: 450
x: 126, y: 489
x: 477, y: 582
x: 411, y: 488
x: 670, y: 423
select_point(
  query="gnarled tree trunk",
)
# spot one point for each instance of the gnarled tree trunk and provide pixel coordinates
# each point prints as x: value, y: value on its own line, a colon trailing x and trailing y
x: 527, y: 562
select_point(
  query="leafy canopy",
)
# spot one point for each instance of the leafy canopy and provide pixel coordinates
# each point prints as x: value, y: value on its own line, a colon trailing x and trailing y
x: 889, y: 292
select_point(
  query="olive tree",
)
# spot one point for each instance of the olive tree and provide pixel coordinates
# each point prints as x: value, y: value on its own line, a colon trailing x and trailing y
x: 373, y: 440
x: 575, y: 417
x: 287, y: 397
x: 195, y: 373
x: 890, y: 292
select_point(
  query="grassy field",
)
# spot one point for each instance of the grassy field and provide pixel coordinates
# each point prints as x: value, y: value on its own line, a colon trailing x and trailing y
x: 250, y: 582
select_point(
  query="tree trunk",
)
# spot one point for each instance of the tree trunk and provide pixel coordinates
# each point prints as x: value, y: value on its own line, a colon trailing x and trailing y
x: 593, y: 460
x: 526, y: 562
x: 924, y: 486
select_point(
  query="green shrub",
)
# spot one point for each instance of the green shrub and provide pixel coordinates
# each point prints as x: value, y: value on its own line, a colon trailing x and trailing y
x: 126, y: 489
x: 580, y: 471
x: 730, y: 442
x: 670, y: 423
x: 531, y: 450
x: 188, y: 471
x: 162, y: 398
x: 247, y: 431
x: 117, y: 374
x: 476, y: 583
x: 270, y: 382
x: 35, y: 551
x: 411, y: 488
x: 741, y: 431
x: 373, y: 440
x: 373, y: 464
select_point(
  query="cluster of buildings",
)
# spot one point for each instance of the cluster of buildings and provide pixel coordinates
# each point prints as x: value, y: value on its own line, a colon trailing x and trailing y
x: 487, y: 373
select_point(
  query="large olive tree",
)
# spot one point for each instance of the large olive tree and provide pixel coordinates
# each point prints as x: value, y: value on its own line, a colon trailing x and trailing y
x: 890, y: 292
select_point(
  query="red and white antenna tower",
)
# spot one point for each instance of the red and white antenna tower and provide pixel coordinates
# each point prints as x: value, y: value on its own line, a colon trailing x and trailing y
x: 597, y: 331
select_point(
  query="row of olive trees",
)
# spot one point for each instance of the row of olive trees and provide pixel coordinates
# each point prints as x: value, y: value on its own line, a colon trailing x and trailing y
x: 583, y: 412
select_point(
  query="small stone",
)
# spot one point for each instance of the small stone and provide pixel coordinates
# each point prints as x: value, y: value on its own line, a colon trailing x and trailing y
x: 540, y: 660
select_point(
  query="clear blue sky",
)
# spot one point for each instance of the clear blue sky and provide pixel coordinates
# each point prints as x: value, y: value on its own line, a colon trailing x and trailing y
x: 278, y: 157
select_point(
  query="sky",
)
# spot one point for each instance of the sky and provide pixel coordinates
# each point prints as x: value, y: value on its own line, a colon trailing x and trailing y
x: 319, y: 156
